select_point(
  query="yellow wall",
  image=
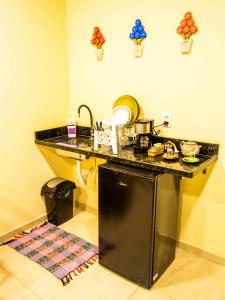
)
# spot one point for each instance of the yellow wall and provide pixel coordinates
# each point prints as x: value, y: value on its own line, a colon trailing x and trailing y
x: 191, y: 87
x: 33, y: 96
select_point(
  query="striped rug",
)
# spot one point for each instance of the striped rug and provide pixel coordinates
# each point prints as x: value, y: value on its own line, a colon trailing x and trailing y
x: 63, y: 254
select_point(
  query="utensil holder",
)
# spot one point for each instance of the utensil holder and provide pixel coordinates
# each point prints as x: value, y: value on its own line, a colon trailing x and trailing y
x: 106, y: 137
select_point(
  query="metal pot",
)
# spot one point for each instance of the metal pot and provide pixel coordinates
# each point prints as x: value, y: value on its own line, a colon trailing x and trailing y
x: 143, y: 126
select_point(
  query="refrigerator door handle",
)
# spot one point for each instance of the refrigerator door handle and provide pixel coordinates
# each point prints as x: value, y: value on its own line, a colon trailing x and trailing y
x: 122, y: 183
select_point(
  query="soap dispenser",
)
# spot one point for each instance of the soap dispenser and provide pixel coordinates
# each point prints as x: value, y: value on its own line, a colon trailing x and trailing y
x: 71, y: 128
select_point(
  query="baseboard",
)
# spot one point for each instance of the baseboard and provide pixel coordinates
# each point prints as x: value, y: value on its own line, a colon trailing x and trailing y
x: 87, y: 208
x: 26, y: 226
x: 10, y: 234
x: 202, y: 253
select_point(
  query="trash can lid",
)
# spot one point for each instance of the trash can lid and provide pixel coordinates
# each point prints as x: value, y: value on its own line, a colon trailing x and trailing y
x: 54, y: 182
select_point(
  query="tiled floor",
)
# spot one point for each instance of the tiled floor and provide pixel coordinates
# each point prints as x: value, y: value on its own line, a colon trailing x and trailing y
x: 189, y: 277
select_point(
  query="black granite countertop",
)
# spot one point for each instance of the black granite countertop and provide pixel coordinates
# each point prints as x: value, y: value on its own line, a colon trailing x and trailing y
x: 57, y: 138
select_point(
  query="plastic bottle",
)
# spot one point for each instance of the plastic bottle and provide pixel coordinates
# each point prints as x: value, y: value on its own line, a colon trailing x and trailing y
x: 71, y: 128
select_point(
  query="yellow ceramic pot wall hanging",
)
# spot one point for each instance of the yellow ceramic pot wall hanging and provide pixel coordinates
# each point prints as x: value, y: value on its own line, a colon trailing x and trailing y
x: 186, y: 29
x: 137, y: 35
x: 98, y: 40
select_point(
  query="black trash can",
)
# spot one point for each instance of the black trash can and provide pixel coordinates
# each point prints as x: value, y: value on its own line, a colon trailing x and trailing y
x: 58, y: 196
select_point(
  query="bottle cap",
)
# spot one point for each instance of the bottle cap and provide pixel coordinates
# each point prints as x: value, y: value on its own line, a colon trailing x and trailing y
x: 71, y: 122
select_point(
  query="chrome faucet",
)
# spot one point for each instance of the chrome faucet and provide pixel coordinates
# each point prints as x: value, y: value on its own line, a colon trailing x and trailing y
x: 90, y: 113
x: 175, y: 147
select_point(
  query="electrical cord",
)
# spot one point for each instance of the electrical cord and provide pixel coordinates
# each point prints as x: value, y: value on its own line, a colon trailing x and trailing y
x: 159, y: 125
x: 156, y: 132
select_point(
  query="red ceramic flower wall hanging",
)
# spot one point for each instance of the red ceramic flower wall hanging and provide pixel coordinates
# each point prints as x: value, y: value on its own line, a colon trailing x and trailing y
x: 186, y: 29
x: 98, y: 40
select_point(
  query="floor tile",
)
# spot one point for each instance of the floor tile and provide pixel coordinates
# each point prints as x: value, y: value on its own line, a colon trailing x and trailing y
x: 26, y: 271
x: 203, y: 266
x: 220, y: 279
x: 182, y: 254
x: 189, y: 277
x: 85, y: 225
x: 181, y: 259
x: 10, y: 287
x: 96, y: 283
x: 206, y: 296
x: 191, y: 281
x: 143, y: 294
x: 31, y: 296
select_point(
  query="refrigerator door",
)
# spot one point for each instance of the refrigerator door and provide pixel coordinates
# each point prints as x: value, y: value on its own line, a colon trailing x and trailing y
x: 126, y: 212
x: 167, y: 202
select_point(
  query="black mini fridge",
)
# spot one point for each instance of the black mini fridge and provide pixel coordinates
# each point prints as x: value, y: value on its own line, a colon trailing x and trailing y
x: 137, y: 221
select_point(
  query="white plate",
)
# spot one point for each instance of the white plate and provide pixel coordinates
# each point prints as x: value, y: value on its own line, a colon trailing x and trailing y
x: 121, y: 115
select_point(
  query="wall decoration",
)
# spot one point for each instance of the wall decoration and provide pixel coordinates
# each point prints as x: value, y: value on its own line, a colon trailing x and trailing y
x: 98, y: 40
x: 186, y: 29
x: 137, y: 35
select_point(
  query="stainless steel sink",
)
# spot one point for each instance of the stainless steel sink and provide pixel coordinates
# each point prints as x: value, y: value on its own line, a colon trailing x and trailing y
x: 74, y: 143
x: 79, y: 142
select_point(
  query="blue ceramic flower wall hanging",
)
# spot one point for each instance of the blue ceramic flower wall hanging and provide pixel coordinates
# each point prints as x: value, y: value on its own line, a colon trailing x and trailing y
x: 138, y: 34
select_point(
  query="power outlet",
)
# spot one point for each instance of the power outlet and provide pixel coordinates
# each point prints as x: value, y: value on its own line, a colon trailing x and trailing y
x: 167, y: 119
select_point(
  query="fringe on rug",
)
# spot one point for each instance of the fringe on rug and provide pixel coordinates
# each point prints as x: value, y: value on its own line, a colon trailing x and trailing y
x: 67, y: 279
x: 23, y: 233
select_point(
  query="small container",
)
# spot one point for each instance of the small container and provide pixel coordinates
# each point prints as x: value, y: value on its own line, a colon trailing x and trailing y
x: 186, y: 46
x: 99, y: 54
x: 138, y: 49
x: 71, y: 128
